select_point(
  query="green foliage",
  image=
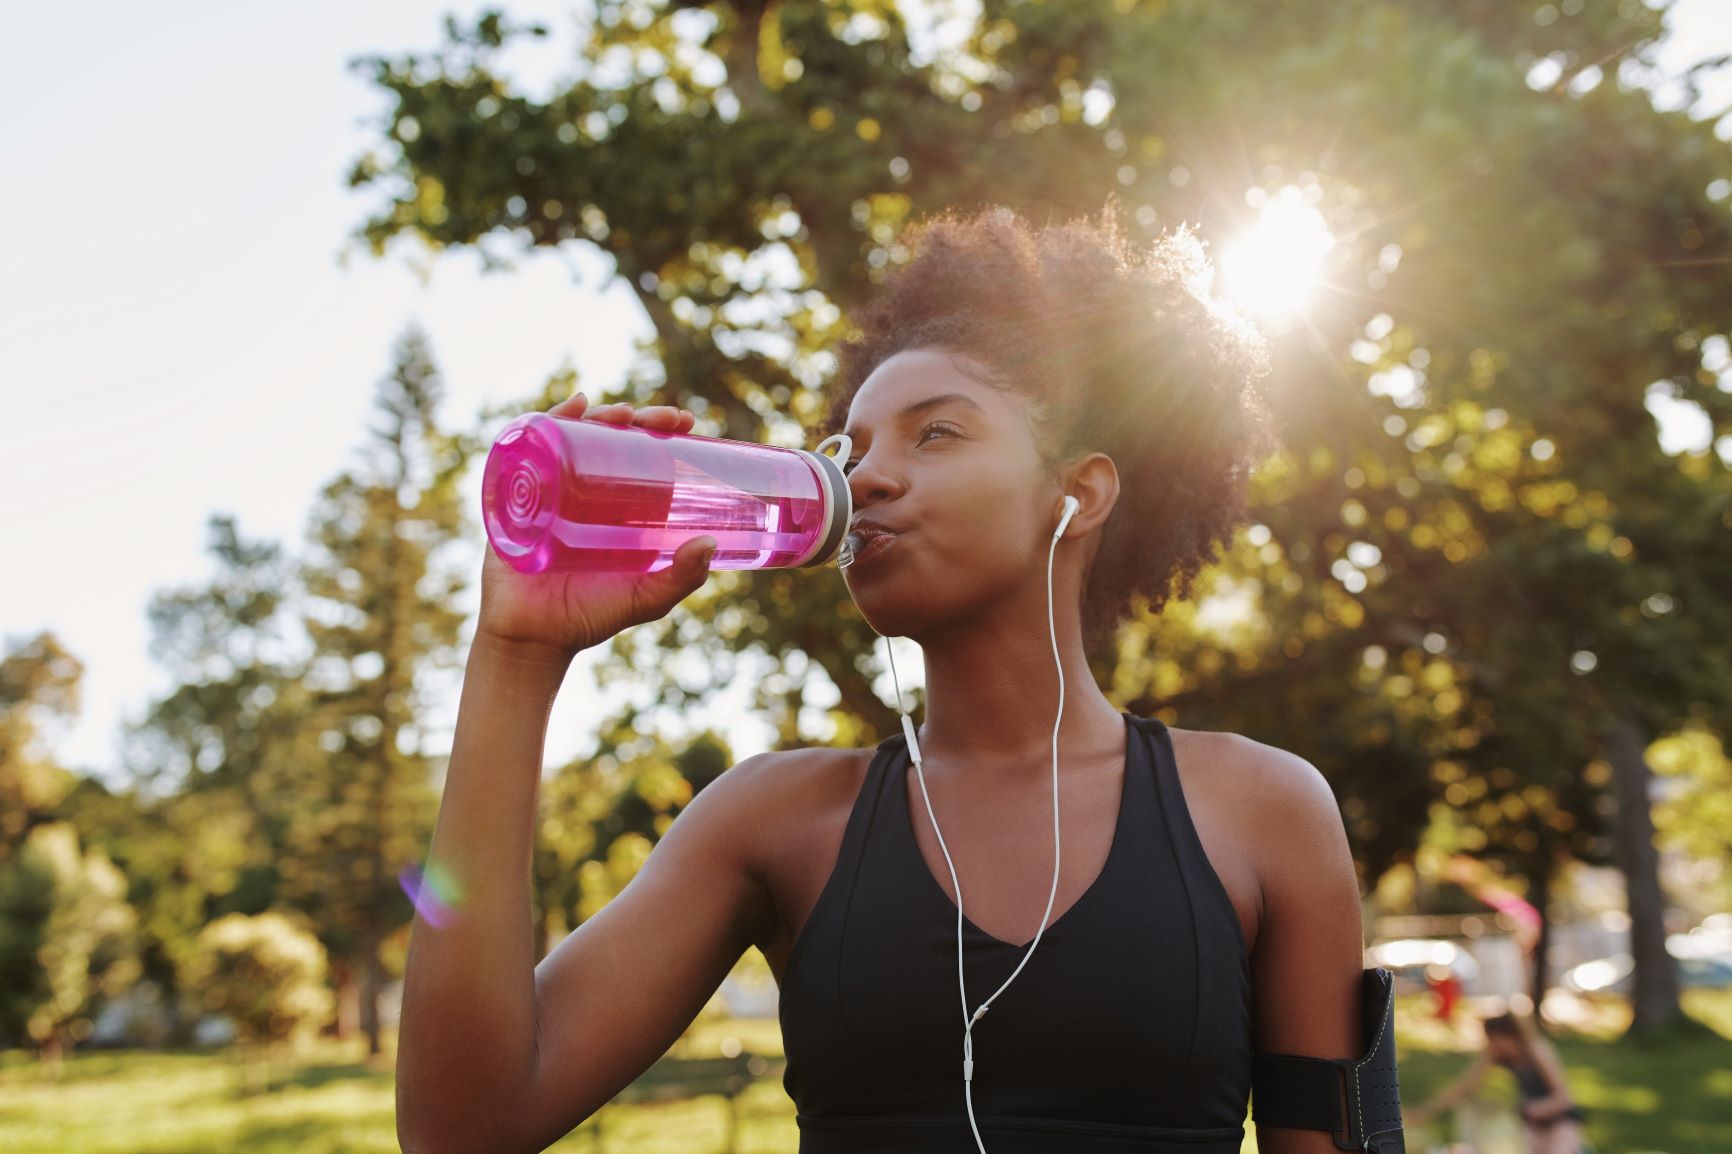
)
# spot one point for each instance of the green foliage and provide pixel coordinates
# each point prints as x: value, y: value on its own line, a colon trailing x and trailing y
x: 1474, y: 564
x: 381, y: 580
x: 1695, y: 815
x: 66, y: 938
x: 38, y: 688
x: 599, y: 817
x: 266, y: 972
x: 201, y: 824
x: 1471, y: 553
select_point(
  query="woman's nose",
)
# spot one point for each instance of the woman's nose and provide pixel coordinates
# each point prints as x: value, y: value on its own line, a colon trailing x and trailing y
x: 866, y: 481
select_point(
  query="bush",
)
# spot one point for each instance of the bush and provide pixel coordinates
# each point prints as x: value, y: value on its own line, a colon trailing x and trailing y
x: 264, y: 972
x: 67, y: 939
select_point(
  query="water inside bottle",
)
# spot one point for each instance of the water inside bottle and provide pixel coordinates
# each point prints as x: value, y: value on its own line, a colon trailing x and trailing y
x: 623, y: 503
x: 765, y: 531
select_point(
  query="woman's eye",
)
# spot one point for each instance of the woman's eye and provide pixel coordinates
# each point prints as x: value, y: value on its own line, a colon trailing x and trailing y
x: 946, y: 429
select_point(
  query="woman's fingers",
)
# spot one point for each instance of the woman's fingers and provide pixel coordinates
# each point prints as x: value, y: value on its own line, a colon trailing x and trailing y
x: 571, y: 408
x: 665, y: 417
x: 659, y: 417
x: 648, y: 417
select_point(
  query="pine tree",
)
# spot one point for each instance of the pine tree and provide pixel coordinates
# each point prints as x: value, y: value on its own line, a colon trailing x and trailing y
x: 381, y: 588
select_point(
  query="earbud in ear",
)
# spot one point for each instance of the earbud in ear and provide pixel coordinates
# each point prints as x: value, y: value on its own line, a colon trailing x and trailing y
x: 1071, y: 505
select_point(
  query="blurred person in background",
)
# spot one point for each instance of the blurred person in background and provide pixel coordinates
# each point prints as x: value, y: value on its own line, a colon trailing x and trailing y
x: 1552, y: 1119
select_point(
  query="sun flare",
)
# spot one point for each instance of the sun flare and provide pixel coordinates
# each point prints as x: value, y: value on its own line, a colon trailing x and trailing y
x: 1276, y: 265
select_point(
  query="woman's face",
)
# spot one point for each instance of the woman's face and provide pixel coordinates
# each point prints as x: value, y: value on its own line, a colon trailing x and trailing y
x: 961, y: 484
x: 1503, y: 1047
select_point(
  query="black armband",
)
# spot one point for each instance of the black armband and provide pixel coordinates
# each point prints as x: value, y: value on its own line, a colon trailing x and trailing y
x: 1307, y: 1093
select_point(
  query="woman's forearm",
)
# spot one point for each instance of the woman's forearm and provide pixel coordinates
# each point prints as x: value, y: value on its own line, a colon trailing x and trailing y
x: 466, y: 1046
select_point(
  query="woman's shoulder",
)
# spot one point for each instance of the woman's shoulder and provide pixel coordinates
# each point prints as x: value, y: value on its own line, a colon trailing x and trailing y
x: 802, y: 780
x: 797, y: 806
x: 1273, y: 811
x: 1267, y: 776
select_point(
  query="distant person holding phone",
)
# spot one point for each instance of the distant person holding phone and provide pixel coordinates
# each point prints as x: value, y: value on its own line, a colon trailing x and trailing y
x: 1552, y: 1118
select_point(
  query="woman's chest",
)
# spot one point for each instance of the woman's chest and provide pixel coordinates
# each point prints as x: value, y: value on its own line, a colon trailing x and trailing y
x: 812, y: 821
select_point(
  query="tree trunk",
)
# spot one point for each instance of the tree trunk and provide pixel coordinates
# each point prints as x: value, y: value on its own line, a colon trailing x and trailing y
x: 180, y: 1024
x: 51, y: 1056
x: 372, y: 979
x: 1655, y: 999
x: 1539, y: 977
x: 742, y: 58
x: 348, y: 998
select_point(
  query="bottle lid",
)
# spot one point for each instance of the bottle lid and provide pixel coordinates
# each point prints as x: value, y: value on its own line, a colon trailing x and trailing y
x: 840, y: 503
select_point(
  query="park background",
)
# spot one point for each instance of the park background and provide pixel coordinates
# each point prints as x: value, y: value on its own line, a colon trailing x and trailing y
x: 278, y: 274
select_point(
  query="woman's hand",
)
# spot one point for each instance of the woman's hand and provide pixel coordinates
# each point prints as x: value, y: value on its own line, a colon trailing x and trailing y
x: 557, y: 614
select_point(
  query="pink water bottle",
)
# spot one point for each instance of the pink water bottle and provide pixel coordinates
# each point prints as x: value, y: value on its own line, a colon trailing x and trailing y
x: 560, y: 494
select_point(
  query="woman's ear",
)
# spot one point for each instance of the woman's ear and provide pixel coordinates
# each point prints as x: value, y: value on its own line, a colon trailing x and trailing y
x: 1094, y: 482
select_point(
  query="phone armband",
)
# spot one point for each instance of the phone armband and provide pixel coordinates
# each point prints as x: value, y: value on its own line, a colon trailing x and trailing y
x: 1358, y: 1100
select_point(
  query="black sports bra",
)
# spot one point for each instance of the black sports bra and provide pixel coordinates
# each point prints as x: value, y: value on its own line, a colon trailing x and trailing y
x: 1129, y: 1030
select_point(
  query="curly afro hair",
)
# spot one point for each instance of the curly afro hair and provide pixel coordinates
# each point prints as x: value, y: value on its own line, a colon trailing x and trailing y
x: 1114, y: 348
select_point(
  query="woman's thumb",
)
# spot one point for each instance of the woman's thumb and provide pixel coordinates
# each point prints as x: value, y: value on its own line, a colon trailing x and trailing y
x: 703, y: 552
x: 656, y: 595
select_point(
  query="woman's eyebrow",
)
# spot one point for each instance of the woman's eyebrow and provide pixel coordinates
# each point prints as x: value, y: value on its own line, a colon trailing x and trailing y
x: 929, y: 403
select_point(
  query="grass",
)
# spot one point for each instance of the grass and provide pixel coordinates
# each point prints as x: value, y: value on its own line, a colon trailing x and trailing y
x: 1674, y: 1097
x: 1670, y: 1095
x: 326, y: 1099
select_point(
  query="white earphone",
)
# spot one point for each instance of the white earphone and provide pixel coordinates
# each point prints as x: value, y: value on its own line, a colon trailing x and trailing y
x: 1071, y: 505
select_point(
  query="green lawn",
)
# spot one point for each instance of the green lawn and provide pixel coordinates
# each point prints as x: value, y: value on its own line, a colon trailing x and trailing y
x: 1675, y: 1098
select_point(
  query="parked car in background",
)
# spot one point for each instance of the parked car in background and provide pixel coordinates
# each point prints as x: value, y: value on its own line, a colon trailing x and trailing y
x: 1711, y: 973
x: 1616, y: 974
x: 1410, y: 959
x: 1609, y: 975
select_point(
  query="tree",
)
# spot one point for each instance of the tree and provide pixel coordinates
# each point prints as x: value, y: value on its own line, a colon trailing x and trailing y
x: 381, y: 583
x: 199, y: 825
x: 266, y: 973
x: 1471, y: 502
x: 66, y: 939
x: 38, y: 688
x: 225, y: 646
x: 599, y: 816
x: 1696, y: 816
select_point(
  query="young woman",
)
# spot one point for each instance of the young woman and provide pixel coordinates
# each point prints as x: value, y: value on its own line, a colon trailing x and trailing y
x: 1200, y: 902
x: 1552, y: 1119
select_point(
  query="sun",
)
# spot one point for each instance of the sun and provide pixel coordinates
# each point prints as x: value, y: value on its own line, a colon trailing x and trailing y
x: 1276, y: 265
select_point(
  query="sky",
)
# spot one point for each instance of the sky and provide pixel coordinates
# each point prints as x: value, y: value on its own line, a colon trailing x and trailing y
x: 187, y: 326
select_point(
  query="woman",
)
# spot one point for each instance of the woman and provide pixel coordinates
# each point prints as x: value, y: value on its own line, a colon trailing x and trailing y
x: 1204, y: 903
x: 1552, y: 1119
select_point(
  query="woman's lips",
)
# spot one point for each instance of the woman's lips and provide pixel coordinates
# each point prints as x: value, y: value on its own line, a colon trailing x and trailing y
x: 874, y: 548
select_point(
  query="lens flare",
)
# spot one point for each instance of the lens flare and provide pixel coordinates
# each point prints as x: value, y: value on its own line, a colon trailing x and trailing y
x: 1274, y: 267
x: 434, y: 892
